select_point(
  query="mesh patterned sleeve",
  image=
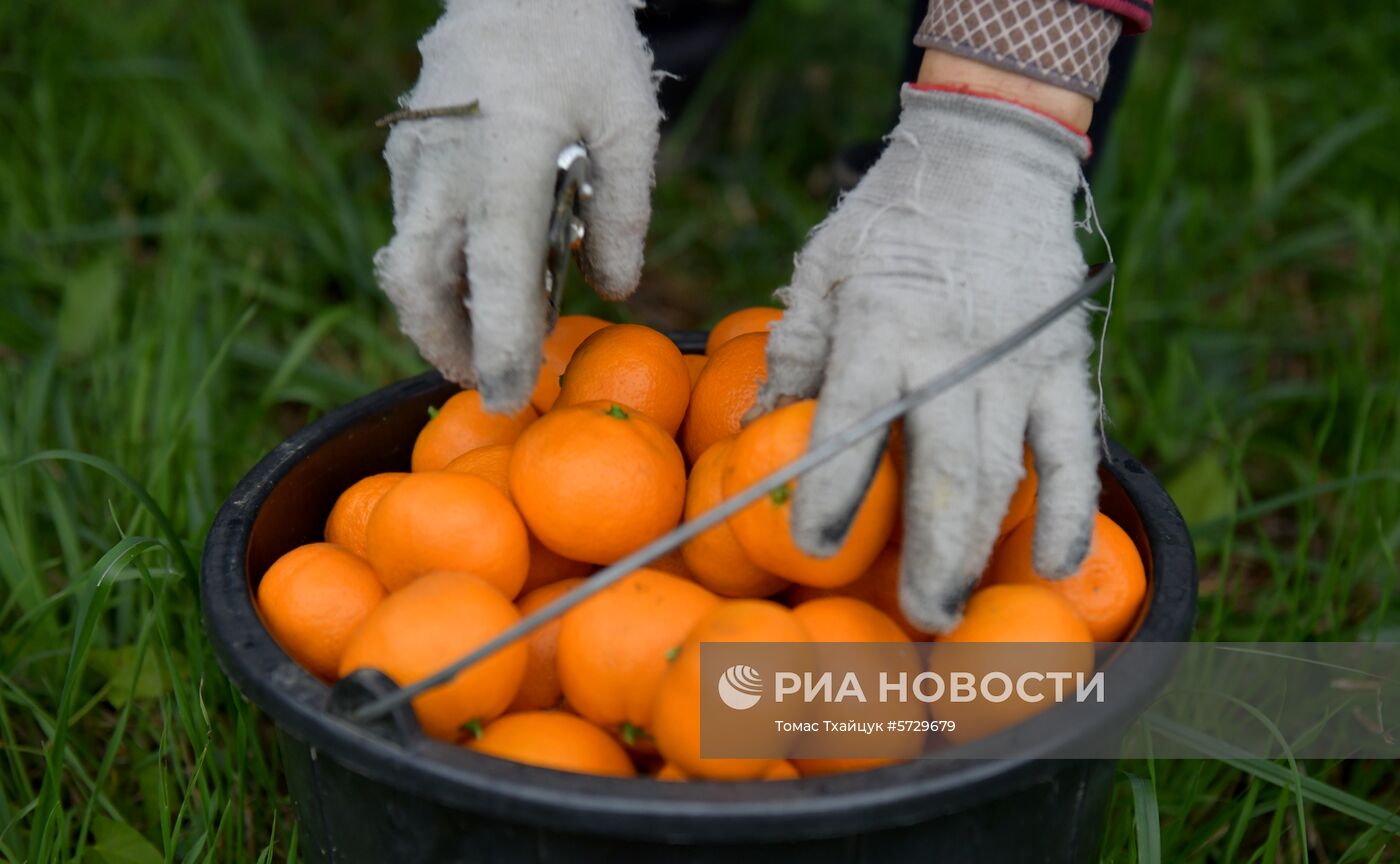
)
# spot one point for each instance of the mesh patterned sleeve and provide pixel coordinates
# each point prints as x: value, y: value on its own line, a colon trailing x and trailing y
x: 1060, y: 42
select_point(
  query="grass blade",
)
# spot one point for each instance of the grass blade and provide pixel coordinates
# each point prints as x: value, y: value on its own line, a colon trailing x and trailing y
x: 1146, y: 819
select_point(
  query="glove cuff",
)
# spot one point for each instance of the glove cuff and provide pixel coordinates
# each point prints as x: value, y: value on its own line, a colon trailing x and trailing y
x: 996, y: 116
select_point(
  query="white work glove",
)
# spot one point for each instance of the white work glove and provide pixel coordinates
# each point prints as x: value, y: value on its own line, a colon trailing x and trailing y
x: 472, y: 195
x: 963, y: 231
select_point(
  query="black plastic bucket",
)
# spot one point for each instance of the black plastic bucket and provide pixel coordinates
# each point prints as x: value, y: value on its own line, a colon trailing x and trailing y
x: 369, y: 797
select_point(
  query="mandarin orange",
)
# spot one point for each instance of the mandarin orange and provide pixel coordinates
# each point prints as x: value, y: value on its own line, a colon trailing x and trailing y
x: 554, y: 739
x: 313, y: 598
x: 763, y: 528
x: 559, y: 346
x: 715, y: 557
x: 491, y: 463
x: 428, y: 624
x: 694, y: 364
x: 1004, y: 619
x: 445, y: 521
x: 838, y: 619
x: 540, y: 690
x: 348, y: 523
x: 1107, y: 589
x: 725, y: 392
x: 463, y: 424
x: 676, y: 713
x: 878, y: 586
x: 548, y: 567
x: 633, y: 366
x: 613, y: 647
x: 596, y: 481
x: 754, y: 319
x: 1018, y: 613
x: 1022, y: 503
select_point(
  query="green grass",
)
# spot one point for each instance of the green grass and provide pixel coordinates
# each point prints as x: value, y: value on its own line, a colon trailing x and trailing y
x: 190, y: 195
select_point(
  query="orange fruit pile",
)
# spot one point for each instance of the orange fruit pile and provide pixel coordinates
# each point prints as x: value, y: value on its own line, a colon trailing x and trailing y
x: 623, y: 439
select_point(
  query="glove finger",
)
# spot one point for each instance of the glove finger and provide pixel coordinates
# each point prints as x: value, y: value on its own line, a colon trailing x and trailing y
x: 862, y: 374
x: 421, y: 271
x: 943, y: 453
x: 799, y: 342
x: 1003, y: 405
x: 622, y: 140
x: 1061, y: 432
x: 507, y: 226
x: 620, y: 210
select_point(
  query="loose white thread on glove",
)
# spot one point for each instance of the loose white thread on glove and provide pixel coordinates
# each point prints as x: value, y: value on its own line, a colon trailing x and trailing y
x: 472, y: 195
x: 963, y: 231
x: 1091, y: 223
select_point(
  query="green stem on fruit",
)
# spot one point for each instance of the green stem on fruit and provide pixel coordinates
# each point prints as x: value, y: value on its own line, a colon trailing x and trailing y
x: 616, y: 411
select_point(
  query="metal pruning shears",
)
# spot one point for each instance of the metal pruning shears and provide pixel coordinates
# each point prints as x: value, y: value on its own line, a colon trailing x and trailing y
x: 572, y: 186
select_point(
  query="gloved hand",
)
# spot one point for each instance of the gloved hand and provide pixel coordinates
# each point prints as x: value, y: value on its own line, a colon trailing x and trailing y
x: 963, y: 231
x: 472, y: 195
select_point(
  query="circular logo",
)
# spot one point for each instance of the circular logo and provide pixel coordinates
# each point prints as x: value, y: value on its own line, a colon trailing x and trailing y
x: 740, y: 687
